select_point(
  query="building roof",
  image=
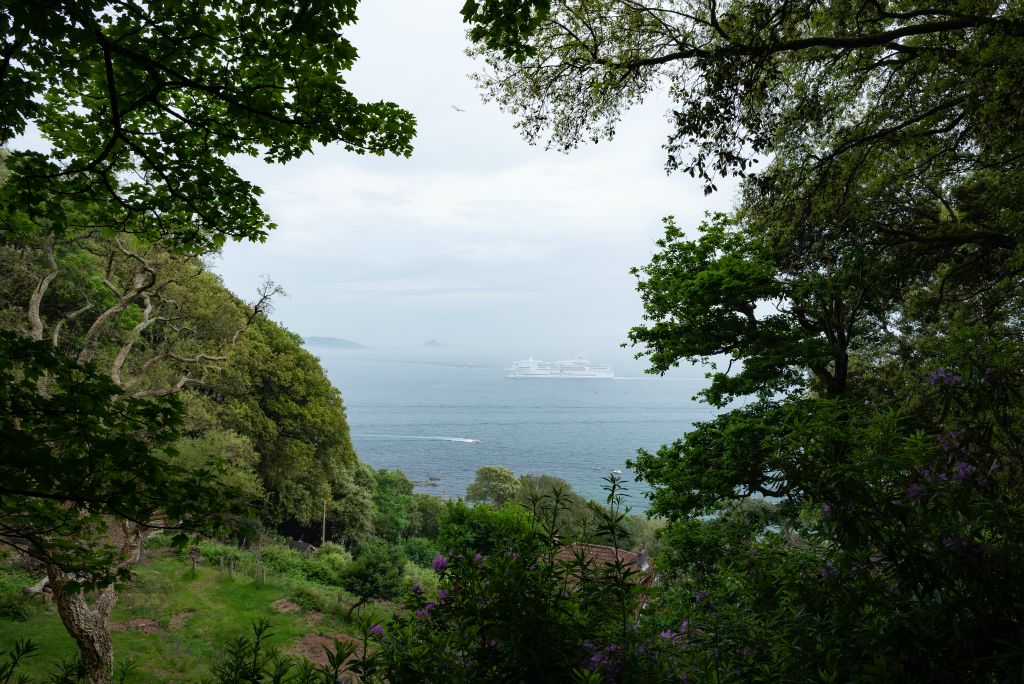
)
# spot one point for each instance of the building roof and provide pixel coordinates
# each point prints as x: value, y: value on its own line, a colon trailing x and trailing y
x: 608, y: 555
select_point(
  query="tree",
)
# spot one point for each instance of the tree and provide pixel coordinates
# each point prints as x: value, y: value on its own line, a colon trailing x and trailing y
x: 376, y: 571
x: 866, y: 440
x: 275, y: 393
x: 493, y: 485
x: 92, y: 466
x: 392, y: 501
x: 746, y: 79
x: 899, y: 113
x: 166, y: 93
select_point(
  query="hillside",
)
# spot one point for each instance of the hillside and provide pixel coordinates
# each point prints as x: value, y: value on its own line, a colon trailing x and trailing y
x: 173, y: 625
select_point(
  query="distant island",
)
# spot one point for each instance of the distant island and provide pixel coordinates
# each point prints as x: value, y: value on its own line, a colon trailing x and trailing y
x: 433, y: 343
x: 333, y: 342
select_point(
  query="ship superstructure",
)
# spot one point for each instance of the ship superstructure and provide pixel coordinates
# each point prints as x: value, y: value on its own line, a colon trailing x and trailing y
x: 580, y: 367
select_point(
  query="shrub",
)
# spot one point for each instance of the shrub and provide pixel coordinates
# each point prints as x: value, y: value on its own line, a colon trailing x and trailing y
x: 310, y: 598
x: 418, y: 582
x: 326, y: 569
x: 420, y: 551
x: 520, y: 614
x: 376, y: 571
x: 14, y: 604
x: 284, y: 560
x: 483, y: 528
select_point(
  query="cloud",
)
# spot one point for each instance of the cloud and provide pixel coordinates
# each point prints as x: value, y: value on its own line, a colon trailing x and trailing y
x: 478, y: 237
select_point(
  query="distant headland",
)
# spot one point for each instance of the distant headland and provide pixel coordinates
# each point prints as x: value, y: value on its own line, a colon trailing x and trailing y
x: 333, y: 342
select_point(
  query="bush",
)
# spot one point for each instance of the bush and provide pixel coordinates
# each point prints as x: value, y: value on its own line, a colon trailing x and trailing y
x: 14, y: 603
x: 520, y: 614
x: 418, y: 583
x: 286, y: 561
x: 326, y: 569
x: 483, y: 528
x: 213, y: 551
x: 420, y: 551
x: 376, y: 571
x: 310, y: 598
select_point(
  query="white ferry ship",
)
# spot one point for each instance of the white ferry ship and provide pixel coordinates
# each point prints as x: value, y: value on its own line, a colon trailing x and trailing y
x: 580, y: 367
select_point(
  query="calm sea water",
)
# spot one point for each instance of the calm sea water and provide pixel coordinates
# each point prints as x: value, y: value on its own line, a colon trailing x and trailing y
x: 439, y: 422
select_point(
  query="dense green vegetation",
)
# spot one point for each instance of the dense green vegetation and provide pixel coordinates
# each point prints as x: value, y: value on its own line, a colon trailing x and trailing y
x: 853, y: 512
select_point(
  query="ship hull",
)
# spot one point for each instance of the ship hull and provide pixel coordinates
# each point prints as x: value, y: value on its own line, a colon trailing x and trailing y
x: 579, y: 367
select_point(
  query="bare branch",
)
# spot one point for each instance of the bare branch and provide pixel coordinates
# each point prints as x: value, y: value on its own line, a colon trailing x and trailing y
x: 67, y: 319
x: 122, y: 354
x: 264, y: 305
x: 144, y: 279
x: 34, y: 318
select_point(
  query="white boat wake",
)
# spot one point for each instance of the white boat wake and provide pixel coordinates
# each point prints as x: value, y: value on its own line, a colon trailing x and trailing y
x: 464, y: 440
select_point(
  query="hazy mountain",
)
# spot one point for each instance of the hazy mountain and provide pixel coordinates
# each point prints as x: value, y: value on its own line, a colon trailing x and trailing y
x: 433, y: 343
x: 333, y: 342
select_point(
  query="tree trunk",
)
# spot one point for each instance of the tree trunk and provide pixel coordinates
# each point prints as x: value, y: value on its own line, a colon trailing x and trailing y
x: 89, y: 625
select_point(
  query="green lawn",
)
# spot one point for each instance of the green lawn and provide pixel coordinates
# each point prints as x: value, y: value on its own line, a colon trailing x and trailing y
x: 172, y: 625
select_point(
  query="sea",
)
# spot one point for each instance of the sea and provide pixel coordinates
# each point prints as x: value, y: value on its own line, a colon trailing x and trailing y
x: 440, y: 420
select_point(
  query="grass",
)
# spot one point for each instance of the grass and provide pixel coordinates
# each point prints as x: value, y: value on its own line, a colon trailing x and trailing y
x: 174, y: 624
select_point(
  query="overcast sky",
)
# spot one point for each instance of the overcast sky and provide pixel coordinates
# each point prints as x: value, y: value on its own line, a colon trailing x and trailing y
x: 479, y: 240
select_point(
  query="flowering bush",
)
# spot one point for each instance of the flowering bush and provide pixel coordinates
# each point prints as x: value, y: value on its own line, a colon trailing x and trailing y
x: 523, y: 612
x: 898, y: 556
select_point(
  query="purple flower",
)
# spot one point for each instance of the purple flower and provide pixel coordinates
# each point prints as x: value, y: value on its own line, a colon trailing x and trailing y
x: 477, y: 558
x: 442, y: 594
x: 667, y: 634
x: 963, y: 471
x: 701, y: 596
x: 417, y: 588
x: 915, y: 491
x: 826, y: 511
x: 683, y: 627
x: 941, y: 376
x: 377, y: 630
x: 440, y: 563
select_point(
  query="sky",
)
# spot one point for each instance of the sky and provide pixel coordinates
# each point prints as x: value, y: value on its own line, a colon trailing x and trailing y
x: 479, y: 240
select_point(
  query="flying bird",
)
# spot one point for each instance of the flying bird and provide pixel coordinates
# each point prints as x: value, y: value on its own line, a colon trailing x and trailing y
x: 458, y: 109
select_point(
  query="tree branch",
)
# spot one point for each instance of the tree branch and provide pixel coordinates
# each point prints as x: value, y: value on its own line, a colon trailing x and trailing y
x: 35, y: 320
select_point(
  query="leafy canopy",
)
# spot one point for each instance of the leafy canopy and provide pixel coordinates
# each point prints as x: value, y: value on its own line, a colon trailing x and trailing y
x: 145, y: 102
x: 83, y: 446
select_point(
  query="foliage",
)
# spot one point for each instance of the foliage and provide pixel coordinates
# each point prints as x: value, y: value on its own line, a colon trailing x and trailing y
x: 165, y: 94
x: 859, y: 313
x: 814, y: 80
x: 22, y: 649
x: 96, y: 431
x: 376, y: 571
x: 520, y: 613
x: 14, y: 604
x: 420, y: 551
x: 327, y: 566
x: 425, y: 515
x: 275, y: 394
x: 483, y: 528
x: 493, y: 485
x: 392, y: 502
